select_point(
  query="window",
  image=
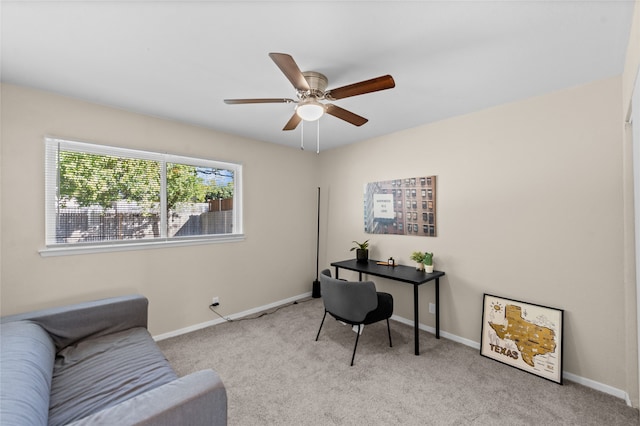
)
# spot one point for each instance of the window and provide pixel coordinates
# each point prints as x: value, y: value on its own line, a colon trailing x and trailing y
x: 105, y: 196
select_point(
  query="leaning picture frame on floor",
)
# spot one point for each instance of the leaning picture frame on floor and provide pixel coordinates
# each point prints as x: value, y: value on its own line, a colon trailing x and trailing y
x: 523, y: 335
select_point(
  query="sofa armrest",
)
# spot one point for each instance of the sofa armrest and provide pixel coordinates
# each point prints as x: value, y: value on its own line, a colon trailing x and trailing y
x: 197, y: 399
x: 69, y: 324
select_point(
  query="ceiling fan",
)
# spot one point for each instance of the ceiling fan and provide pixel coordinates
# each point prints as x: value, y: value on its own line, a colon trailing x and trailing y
x: 311, y: 89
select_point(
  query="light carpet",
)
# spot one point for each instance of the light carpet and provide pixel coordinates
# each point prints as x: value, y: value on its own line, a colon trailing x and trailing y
x: 276, y: 374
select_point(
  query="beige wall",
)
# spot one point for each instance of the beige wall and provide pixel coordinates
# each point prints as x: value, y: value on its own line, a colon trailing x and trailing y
x: 530, y: 207
x: 276, y: 261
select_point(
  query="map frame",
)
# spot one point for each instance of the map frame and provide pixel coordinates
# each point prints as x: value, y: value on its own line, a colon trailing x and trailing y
x: 523, y: 335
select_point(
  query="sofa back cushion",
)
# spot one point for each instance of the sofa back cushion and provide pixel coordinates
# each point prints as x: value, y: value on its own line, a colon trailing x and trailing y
x: 27, y: 354
x: 72, y: 323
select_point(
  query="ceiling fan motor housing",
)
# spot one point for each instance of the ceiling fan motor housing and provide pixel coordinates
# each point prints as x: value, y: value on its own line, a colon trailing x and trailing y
x: 317, y: 83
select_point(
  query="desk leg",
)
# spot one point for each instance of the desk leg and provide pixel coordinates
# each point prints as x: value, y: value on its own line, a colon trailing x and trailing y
x: 337, y: 273
x: 437, y: 308
x: 416, y: 320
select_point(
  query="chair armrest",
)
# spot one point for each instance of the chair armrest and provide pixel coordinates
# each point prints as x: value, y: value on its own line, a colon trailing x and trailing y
x: 69, y: 324
x: 197, y: 399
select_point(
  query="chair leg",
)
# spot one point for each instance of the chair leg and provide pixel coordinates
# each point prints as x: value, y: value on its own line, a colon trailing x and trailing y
x: 318, y: 335
x: 389, y: 331
x: 356, y: 345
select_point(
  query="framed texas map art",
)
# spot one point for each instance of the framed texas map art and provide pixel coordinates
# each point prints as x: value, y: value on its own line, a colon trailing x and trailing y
x: 523, y: 335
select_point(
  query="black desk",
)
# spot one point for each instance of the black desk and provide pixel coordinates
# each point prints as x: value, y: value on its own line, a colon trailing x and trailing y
x: 405, y: 274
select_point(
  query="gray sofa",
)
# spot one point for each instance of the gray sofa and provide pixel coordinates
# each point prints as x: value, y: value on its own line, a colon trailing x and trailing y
x: 95, y: 363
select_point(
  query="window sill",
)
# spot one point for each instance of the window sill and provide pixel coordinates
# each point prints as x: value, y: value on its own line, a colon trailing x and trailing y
x: 73, y: 249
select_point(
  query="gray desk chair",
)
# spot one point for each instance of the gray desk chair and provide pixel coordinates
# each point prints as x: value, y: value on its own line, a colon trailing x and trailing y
x: 354, y: 302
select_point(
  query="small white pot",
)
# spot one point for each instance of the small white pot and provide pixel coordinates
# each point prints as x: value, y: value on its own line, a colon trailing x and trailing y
x: 428, y: 268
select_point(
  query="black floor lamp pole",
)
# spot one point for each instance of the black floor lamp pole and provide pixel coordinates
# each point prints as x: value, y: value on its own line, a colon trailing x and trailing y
x: 316, y: 284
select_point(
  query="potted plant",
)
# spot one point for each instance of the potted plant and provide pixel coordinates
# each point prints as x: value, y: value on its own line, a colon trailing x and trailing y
x: 423, y: 260
x: 362, y: 251
x: 418, y: 257
x: 428, y: 262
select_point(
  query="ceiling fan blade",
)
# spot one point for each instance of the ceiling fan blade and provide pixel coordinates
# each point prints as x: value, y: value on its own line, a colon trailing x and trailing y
x: 293, y: 122
x: 345, y: 115
x: 290, y: 69
x: 259, y: 101
x: 368, y: 86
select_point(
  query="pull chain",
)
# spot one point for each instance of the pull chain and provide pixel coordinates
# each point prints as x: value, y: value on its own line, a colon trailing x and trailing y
x: 317, y: 136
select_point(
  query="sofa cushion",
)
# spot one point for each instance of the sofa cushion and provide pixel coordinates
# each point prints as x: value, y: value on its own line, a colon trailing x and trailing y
x: 101, y: 372
x: 26, y: 366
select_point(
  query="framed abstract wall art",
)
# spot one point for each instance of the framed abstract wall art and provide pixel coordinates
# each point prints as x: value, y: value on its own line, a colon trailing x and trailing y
x: 401, y: 206
x: 523, y: 335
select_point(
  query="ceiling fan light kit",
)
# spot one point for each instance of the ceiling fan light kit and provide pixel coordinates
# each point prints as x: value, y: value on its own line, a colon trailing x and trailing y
x: 310, y: 110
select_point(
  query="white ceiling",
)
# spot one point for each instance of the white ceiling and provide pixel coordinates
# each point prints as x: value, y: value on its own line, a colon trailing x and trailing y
x: 179, y: 60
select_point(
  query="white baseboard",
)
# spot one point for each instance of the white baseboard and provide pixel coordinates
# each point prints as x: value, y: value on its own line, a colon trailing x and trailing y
x: 610, y: 390
x: 619, y: 393
x: 232, y: 317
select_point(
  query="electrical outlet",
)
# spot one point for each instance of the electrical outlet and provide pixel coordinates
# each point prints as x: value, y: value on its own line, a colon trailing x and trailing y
x: 215, y: 300
x: 432, y: 308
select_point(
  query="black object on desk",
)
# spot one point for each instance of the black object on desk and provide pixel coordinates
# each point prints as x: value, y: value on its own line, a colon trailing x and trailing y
x: 405, y: 274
